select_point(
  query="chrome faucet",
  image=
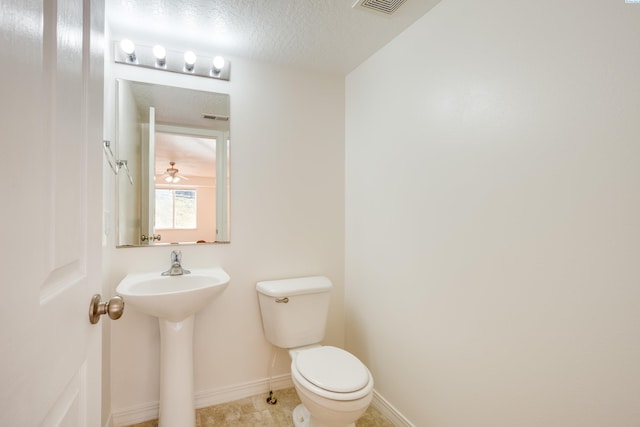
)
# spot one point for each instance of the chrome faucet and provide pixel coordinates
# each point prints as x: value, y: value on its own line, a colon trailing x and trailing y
x: 176, y: 269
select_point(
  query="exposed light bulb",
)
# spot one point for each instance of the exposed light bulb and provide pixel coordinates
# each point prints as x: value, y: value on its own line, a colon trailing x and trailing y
x: 129, y: 48
x: 161, y: 55
x: 218, y: 64
x: 189, y: 60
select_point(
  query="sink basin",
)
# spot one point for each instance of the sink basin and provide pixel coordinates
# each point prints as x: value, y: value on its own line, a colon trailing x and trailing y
x: 172, y: 298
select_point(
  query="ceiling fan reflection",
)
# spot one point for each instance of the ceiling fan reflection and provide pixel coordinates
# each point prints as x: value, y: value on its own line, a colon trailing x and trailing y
x: 172, y: 175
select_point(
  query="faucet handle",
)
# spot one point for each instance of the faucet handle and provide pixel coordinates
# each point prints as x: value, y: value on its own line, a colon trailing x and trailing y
x: 176, y: 257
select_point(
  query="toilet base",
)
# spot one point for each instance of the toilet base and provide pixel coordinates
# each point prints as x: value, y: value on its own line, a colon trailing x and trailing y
x: 302, y: 418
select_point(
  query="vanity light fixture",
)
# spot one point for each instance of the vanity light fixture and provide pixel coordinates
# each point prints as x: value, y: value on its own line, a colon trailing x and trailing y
x: 160, y: 53
x: 129, y: 49
x: 159, y: 58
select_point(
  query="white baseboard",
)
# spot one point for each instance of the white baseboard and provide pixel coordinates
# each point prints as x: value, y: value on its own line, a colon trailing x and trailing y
x: 135, y: 414
x: 240, y: 391
x: 149, y: 411
x: 389, y: 411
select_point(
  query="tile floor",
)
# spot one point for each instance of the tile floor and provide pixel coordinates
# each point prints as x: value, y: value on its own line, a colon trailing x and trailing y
x: 256, y: 412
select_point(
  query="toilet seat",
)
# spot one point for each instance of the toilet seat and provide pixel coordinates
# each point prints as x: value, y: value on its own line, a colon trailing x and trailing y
x: 332, y: 372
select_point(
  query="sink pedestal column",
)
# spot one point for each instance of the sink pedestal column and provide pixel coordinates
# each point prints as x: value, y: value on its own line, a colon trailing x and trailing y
x: 177, y: 401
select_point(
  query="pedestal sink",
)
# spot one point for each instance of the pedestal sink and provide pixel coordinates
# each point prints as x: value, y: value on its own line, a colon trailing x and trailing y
x: 174, y: 300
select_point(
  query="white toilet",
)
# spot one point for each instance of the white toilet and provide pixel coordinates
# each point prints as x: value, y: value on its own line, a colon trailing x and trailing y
x: 335, y: 387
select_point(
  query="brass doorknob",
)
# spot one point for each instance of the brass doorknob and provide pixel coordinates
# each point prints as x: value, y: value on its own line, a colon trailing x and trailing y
x: 113, y: 308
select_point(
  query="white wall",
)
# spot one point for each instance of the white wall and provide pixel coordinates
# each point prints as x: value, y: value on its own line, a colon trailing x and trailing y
x: 128, y: 146
x: 287, y: 220
x: 493, y: 215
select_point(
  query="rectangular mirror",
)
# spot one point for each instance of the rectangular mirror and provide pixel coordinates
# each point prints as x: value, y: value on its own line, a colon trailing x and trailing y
x: 176, y: 145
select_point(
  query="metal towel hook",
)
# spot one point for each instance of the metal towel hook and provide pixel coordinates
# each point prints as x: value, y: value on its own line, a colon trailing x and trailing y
x: 115, y: 164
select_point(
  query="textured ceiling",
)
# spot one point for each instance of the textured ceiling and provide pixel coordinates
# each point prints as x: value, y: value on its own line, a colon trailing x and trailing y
x: 324, y: 35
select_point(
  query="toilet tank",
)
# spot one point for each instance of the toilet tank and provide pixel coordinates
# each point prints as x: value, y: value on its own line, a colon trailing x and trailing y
x: 294, y: 311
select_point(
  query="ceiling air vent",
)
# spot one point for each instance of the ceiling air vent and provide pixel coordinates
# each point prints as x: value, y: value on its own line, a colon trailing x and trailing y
x: 385, y: 7
x: 215, y: 117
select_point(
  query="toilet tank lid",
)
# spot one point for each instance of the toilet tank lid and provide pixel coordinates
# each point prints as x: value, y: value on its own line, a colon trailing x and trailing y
x: 295, y: 286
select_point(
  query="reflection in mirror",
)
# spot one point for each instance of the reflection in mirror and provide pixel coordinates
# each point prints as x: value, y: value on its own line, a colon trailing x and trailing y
x: 176, y: 143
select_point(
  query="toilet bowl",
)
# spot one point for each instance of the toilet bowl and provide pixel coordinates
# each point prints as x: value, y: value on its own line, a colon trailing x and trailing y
x: 335, y: 388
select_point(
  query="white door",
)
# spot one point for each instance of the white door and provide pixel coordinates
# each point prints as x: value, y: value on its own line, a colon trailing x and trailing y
x: 148, y: 176
x: 222, y: 187
x: 51, y: 113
